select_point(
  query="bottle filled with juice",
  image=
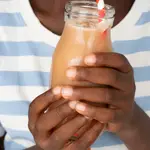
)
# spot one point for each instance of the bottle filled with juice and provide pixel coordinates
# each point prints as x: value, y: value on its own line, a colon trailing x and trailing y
x: 84, y: 33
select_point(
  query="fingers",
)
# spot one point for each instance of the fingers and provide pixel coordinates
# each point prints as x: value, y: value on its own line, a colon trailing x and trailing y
x: 50, y: 120
x: 104, y: 115
x: 83, y: 129
x: 112, y: 60
x: 88, y: 138
x: 57, y: 103
x: 103, y: 76
x: 79, y: 133
x: 60, y: 137
x: 40, y: 104
x: 95, y: 95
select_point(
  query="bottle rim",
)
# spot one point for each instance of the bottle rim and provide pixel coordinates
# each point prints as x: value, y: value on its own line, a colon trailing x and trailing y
x: 109, y: 10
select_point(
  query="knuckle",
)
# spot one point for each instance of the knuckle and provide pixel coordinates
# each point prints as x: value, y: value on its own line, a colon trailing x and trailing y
x: 80, y: 73
x: 42, y: 144
x: 110, y: 116
x: 129, y: 93
x: 116, y: 77
x: 131, y: 70
x: 32, y: 111
x: 85, y: 72
x: 116, y: 115
x: 122, y: 58
x: 113, y: 127
x: 40, y: 126
x: 125, y: 63
x: 93, y: 113
x: 77, y: 94
x: 80, y: 120
x: 86, y: 142
x: 108, y: 96
x: 46, y: 94
x: 101, y: 58
x: 77, y: 146
x: 31, y: 127
x: 42, y: 141
x: 132, y: 86
x: 60, y: 112
x: 31, y: 106
x: 56, y: 137
x: 95, y: 132
x: 112, y: 77
x: 81, y: 144
x: 89, y: 140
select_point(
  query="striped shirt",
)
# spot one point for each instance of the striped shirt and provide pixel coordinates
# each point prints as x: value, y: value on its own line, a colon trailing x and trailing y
x: 26, y: 49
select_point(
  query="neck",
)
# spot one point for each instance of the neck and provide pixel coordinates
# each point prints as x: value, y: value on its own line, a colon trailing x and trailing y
x: 51, y: 12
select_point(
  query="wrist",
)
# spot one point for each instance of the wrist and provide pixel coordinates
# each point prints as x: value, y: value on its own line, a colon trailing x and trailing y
x: 131, y: 125
x: 136, y: 134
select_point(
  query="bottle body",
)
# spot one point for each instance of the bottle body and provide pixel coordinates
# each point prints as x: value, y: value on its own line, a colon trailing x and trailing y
x: 84, y: 33
x: 76, y: 43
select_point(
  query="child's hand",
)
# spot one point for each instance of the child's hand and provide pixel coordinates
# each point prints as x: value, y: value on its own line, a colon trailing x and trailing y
x: 114, y: 71
x: 44, y: 124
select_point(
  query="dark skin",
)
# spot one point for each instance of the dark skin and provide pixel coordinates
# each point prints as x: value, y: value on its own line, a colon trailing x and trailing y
x: 51, y: 12
x: 48, y: 137
x: 123, y: 116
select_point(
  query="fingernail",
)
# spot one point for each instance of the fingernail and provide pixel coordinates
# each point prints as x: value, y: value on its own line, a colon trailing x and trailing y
x: 56, y: 90
x: 80, y: 107
x: 90, y: 60
x: 67, y: 92
x: 75, y: 61
x: 88, y: 118
x: 73, y: 104
x: 71, y: 73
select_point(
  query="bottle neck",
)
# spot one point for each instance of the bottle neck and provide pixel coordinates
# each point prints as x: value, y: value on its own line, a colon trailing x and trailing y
x: 86, y: 14
x: 91, y: 38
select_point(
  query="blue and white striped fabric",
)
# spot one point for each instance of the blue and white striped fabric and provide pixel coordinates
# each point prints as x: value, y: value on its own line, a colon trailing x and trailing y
x: 26, y: 48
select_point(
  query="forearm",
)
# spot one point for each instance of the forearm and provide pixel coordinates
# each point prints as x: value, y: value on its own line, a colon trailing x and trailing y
x: 137, y: 136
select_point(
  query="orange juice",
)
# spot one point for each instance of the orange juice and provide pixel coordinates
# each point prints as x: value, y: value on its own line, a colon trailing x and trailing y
x: 83, y: 34
x: 75, y: 43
